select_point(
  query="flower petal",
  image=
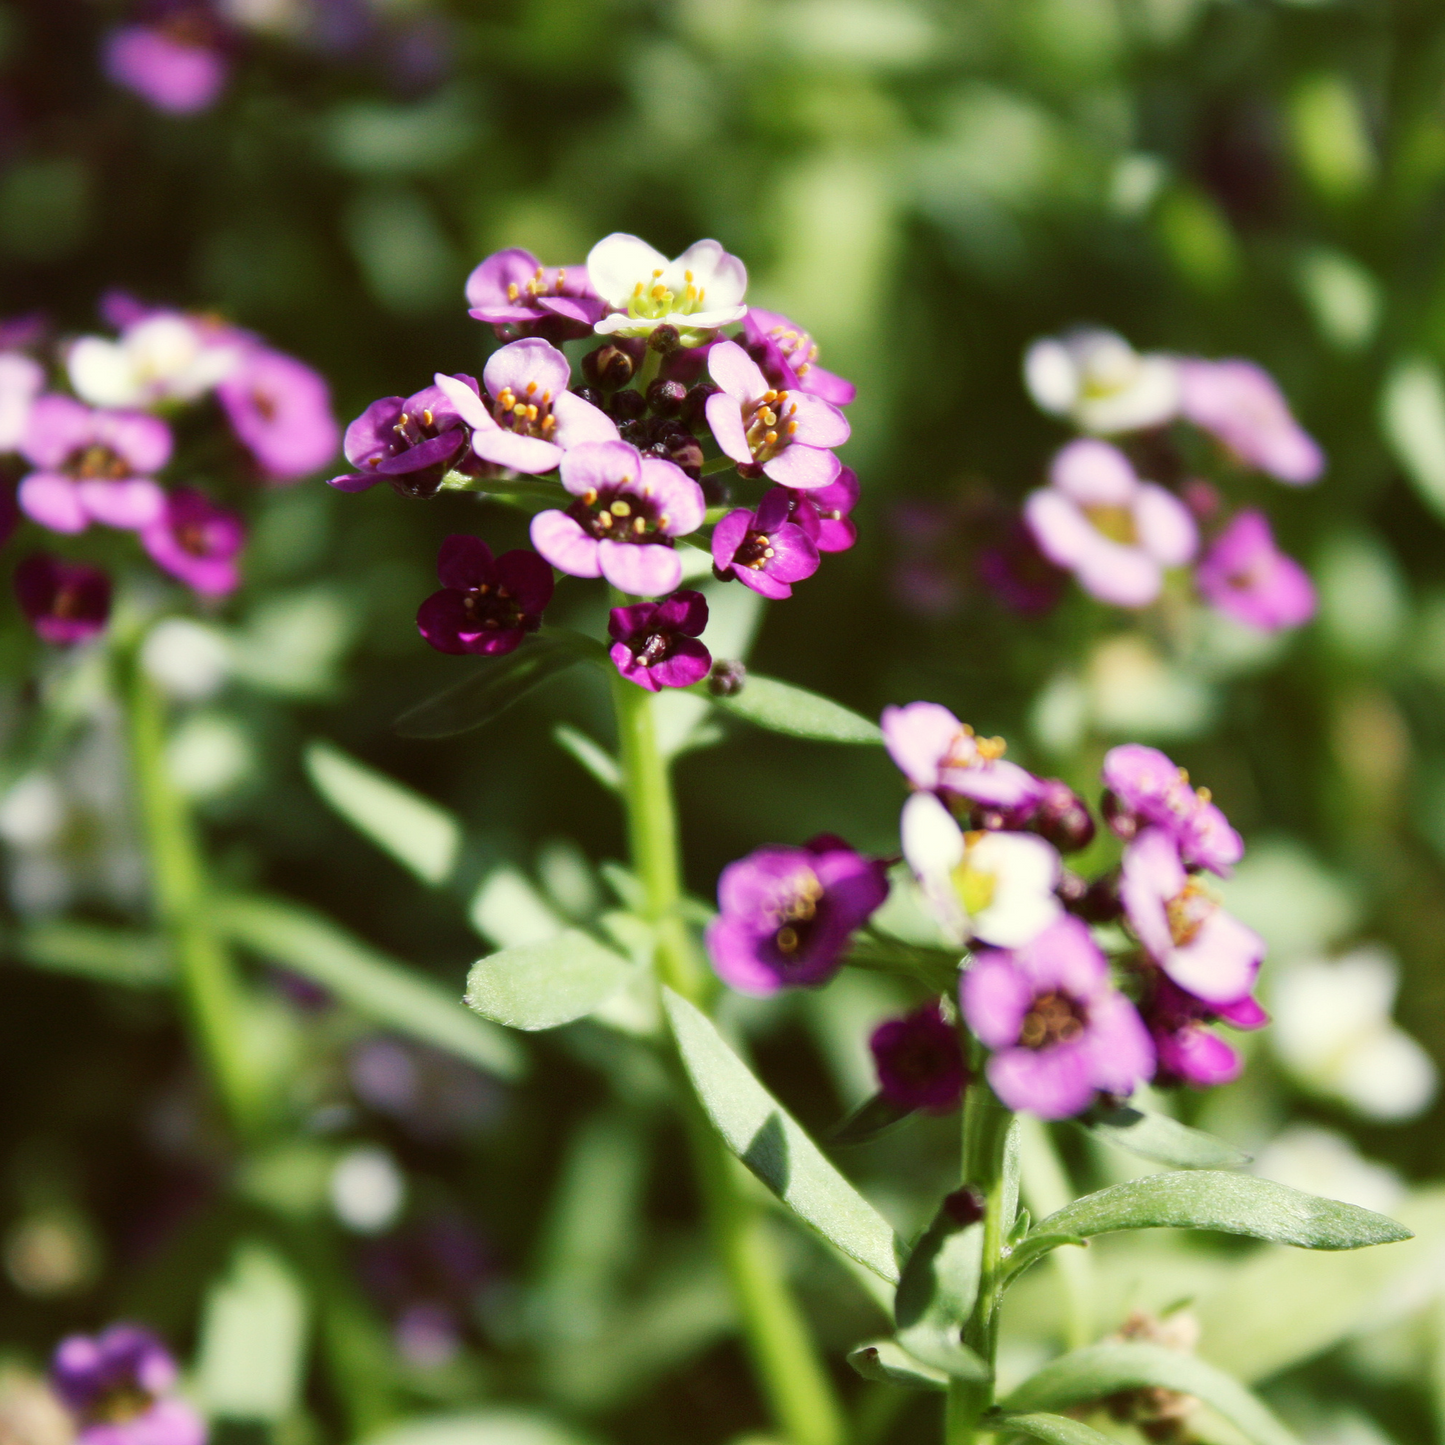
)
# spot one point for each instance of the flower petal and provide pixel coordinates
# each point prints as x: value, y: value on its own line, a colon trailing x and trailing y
x: 644, y: 569
x: 736, y: 372
x: 597, y: 465
x: 820, y: 424
x: 561, y: 540
x: 130, y: 503
x: 803, y: 468
x: 579, y: 421
x: 520, y: 454
x: 725, y: 419
x: 53, y: 501
x: 529, y: 363
x: 465, y: 562
x: 618, y: 262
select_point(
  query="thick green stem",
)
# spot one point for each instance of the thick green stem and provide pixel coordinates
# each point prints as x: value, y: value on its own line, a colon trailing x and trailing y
x: 792, y: 1376
x: 651, y: 365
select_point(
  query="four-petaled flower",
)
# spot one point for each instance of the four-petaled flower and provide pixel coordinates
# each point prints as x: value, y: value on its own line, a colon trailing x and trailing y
x: 487, y: 605
x: 159, y: 356
x: 280, y: 410
x: 1239, y: 403
x: 518, y: 295
x: 764, y: 550
x: 196, y: 541
x: 823, y: 512
x: 790, y: 357
x: 118, y: 1384
x: 1145, y: 787
x: 1188, y: 1053
x: 939, y: 754
x: 409, y: 441
x: 919, y: 1060
x: 697, y: 293
x: 1097, y: 380
x: 65, y: 602
x: 1249, y: 579
x: 655, y: 644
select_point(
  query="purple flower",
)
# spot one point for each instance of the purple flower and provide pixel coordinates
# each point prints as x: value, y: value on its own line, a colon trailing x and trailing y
x: 1248, y: 578
x: 789, y: 356
x: 1187, y: 1052
x: 281, y: 411
x: 21, y: 380
x: 939, y: 754
x: 486, y: 606
x: 823, y: 512
x: 197, y: 542
x: 919, y: 1060
x: 65, y: 601
x: 167, y: 66
x: 1145, y: 787
x: 1060, y: 1033
x: 1017, y: 572
x: 763, y: 549
x: 1203, y: 949
x: 409, y: 441
x: 1239, y: 403
x: 655, y: 643
x: 628, y: 510
x: 92, y: 466
x: 118, y: 1384
x: 514, y: 292
x: 1114, y: 532
x: 787, y: 433
x: 532, y: 418
x: 786, y: 914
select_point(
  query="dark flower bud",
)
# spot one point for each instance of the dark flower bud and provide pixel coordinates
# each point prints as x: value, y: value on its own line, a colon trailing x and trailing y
x: 1122, y: 821
x: 964, y: 1206
x: 684, y: 452
x: 592, y: 395
x: 726, y: 678
x: 666, y: 397
x: 1063, y: 818
x: 723, y: 574
x: 628, y: 405
x: 664, y: 339
x: 715, y: 491
x: 987, y: 818
x: 1072, y: 889
x: 694, y: 405
x: 751, y: 470
x: 609, y: 366
x: 1101, y: 904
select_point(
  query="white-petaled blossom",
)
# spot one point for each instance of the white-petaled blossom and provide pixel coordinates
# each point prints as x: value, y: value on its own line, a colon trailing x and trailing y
x: 188, y: 660
x: 367, y: 1189
x: 1333, y: 1032
x: 1097, y: 380
x: 165, y: 357
x: 1320, y: 1161
x: 699, y: 292
x: 997, y: 887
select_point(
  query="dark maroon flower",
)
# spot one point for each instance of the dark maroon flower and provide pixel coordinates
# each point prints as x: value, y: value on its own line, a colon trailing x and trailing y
x: 655, y: 644
x: 197, y: 542
x: 487, y: 605
x: 763, y: 549
x: 919, y: 1061
x: 1054, y: 811
x: 65, y: 601
x: 1018, y: 574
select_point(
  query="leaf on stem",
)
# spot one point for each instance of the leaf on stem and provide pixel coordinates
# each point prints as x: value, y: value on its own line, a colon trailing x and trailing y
x: 545, y: 984
x: 109, y: 955
x: 1230, y: 1203
x: 593, y: 757
x: 887, y: 1362
x: 872, y: 1118
x: 481, y: 1427
x: 1032, y: 1249
x: 774, y: 1145
x: 877, y: 952
x: 1052, y: 1429
x: 936, y: 1296
x: 782, y: 708
x: 1162, y: 1139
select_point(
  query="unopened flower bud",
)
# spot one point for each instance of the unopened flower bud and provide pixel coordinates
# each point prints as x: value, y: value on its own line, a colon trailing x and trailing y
x: 684, y: 451
x: 609, y: 366
x: 694, y: 405
x: 628, y: 405
x: 666, y: 397
x: 1101, y: 902
x: 1123, y: 822
x: 592, y: 395
x: 715, y: 490
x: 964, y: 1206
x: 726, y: 678
x: 664, y: 339
x: 1071, y: 889
x: 1063, y: 818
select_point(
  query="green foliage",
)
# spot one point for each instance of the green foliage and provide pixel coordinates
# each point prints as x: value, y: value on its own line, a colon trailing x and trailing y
x: 782, y: 708
x: 1162, y: 1139
x: 541, y: 985
x: 936, y: 1295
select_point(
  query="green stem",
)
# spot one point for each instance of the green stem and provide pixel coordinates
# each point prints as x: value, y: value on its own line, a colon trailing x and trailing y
x: 792, y: 1376
x: 651, y: 365
x: 1047, y: 1189
x: 716, y: 465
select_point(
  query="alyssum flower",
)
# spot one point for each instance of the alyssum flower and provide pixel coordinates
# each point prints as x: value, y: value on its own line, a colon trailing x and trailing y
x: 1096, y: 379
x: 1240, y: 404
x: 939, y: 754
x: 118, y: 1384
x: 823, y: 512
x: 196, y: 541
x: 655, y: 644
x: 763, y: 549
x: 280, y: 410
x: 410, y: 442
x: 514, y: 292
x: 1188, y: 1053
x: 698, y: 293
x: 1248, y: 578
x: 160, y: 356
x: 789, y: 356
x: 487, y: 605
x: 65, y: 602
x: 919, y: 1060
x: 1145, y: 787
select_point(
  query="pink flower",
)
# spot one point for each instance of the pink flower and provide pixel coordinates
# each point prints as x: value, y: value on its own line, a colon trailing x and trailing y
x: 823, y: 512
x: 1188, y: 1053
x: 120, y: 1384
x: 166, y: 67
x: 762, y: 549
x: 1114, y: 532
x: 281, y: 411
x: 919, y: 1060
x: 939, y: 754
x: 514, y: 292
x: 789, y: 355
x: 1248, y: 578
x: 21, y: 380
x: 1146, y: 788
x: 655, y: 644
x: 1239, y: 403
x: 197, y: 542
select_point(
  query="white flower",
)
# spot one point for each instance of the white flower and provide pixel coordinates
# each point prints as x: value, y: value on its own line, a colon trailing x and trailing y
x: 997, y: 887
x: 187, y: 660
x: 1333, y: 1032
x: 33, y: 812
x: 1320, y: 1161
x: 21, y: 378
x: 165, y: 357
x: 367, y: 1189
x: 1100, y: 382
x: 697, y: 293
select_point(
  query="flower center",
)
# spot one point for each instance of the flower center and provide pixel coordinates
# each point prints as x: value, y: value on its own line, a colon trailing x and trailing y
x: 1116, y: 523
x: 193, y: 537
x: 1188, y: 911
x: 970, y: 751
x: 755, y: 551
x: 265, y: 405
x: 797, y: 912
x: 490, y: 609
x: 538, y: 286
x: 621, y: 514
x: 652, y: 648
x: 124, y: 1402
x: 770, y: 422
x: 528, y: 412
x: 1054, y: 1018
x: 651, y: 300
x: 69, y: 602
x: 411, y: 429
x: 798, y: 349
x: 97, y: 463
x: 975, y: 886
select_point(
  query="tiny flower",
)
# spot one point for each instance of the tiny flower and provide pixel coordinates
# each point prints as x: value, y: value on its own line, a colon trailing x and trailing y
x: 65, y: 601
x: 197, y: 542
x: 919, y: 1060
x: 655, y: 644
x: 167, y: 65
x: 1060, y: 1033
x: 1187, y: 1052
x: 514, y: 292
x: 995, y: 886
x: 92, y: 466
x: 1239, y: 403
x: 621, y: 527
x: 763, y: 549
x: 1145, y: 787
x: 789, y: 434
x: 159, y: 356
x: 281, y: 411
x: 789, y: 357
x: 119, y: 1385
x: 823, y: 512
x: 696, y: 294
x: 1249, y: 579
x: 1018, y: 574
x: 21, y: 379
x: 1095, y: 378
x: 410, y: 442
x: 1114, y: 532
x: 1203, y: 949
x: 1054, y: 811
x: 786, y: 914
x: 486, y: 605
x: 939, y: 754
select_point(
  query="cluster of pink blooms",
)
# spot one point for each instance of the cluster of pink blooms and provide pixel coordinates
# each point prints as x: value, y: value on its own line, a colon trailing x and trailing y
x: 1107, y: 515
x: 88, y: 423
x: 663, y: 404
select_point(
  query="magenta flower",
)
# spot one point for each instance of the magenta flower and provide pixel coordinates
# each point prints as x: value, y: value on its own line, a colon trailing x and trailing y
x: 786, y: 914
x: 92, y: 466
x: 1203, y: 949
x: 1146, y: 788
x: 281, y: 411
x: 1053, y: 810
x: 514, y: 292
x: 166, y: 66
x: 628, y: 510
x: 532, y: 417
x: 1114, y: 532
x: 197, y: 542
x: 789, y: 357
x: 21, y: 381
x: 919, y: 1060
x: 1188, y: 1053
x: 410, y: 442
x: 655, y: 644
x: 823, y: 512
x: 1239, y: 403
x: 65, y: 602
x: 1060, y: 1033
x: 763, y: 549
x: 787, y: 433
x: 939, y: 754
x: 118, y: 1384
x: 486, y: 605
x: 1249, y: 579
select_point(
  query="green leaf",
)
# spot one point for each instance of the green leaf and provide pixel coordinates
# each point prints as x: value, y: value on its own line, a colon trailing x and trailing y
x: 936, y: 1296
x: 774, y: 1146
x: 936, y: 968
x: 782, y: 708
x: 1032, y: 1249
x: 1230, y: 1203
x: 887, y: 1362
x: 109, y: 955
x: 376, y: 986
x: 542, y: 985
x: 1412, y: 416
x: 480, y: 1427
x: 1165, y: 1140
x: 594, y: 758
x: 874, y: 1117
x: 419, y: 834
x: 1052, y: 1429
x: 1103, y: 1370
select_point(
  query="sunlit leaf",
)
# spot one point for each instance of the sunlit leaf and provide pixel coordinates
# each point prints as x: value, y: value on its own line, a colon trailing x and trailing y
x: 782, y: 708
x: 594, y: 759
x: 1052, y: 1429
x: 870, y: 1119
x: 1165, y: 1140
x: 887, y: 1362
x: 1033, y: 1248
x: 1412, y: 416
x: 481, y: 1427
x: 936, y: 1296
x: 544, y: 984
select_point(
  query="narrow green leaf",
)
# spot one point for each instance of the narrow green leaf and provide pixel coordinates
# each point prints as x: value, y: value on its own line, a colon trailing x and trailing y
x: 375, y: 985
x: 419, y: 834
x: 542, y: 985
x: 874, y: 1117
x: 887, y: 1362
x: 1052, y: 1429
x: 782, y: 708
x: 594, y: 759
x: 1230, y: 1203
x: 1032, y: 1249
x: 936, y: 1296
x: 1103, y: 1370
x: 109, y: 955
x: 1412, y: 417
x: 774, y: 1146
x: 937, y: 968
x: 1165, y: 1140
x: 481, y: 1427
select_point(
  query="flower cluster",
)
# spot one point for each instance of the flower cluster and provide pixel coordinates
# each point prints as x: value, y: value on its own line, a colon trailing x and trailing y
x: 120, y: 1387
